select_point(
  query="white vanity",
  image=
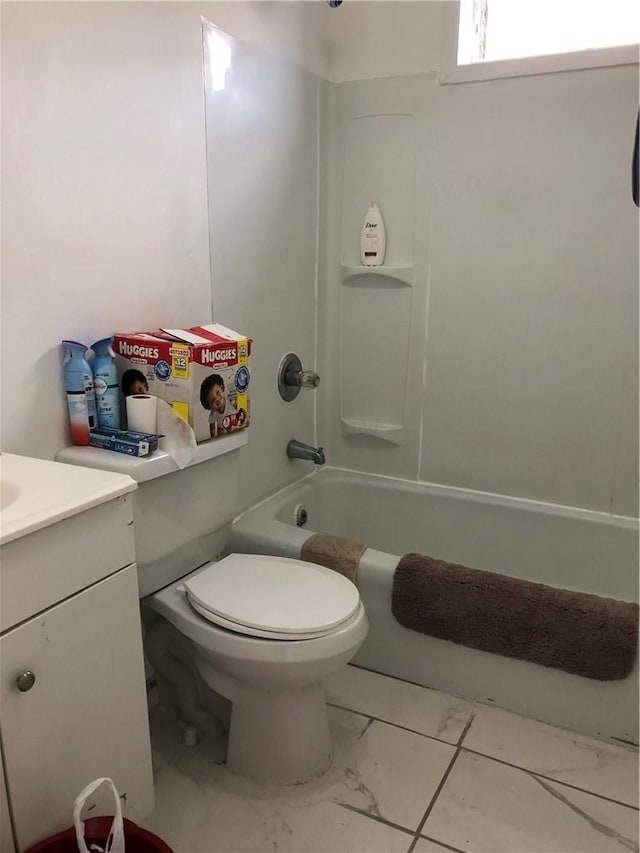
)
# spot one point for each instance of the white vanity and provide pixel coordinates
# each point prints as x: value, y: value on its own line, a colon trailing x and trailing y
x: 72, y: 688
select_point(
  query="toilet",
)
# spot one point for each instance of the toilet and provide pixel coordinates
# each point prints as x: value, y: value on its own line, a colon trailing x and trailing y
x: 261, y: 631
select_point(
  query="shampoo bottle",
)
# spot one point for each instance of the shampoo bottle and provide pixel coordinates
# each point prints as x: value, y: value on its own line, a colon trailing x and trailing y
x: 105, y: 378
x: 81, y: 397
x: 373, y: 238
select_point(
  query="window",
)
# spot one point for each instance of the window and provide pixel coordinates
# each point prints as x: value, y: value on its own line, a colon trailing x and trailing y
x: 503, y: 38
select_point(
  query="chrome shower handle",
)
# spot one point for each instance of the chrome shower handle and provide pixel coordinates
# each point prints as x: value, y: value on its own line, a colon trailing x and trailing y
x: 291, y: 377
x: 306, y: 379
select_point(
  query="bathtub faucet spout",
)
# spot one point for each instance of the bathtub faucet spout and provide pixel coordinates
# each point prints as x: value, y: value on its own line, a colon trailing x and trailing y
x: 299, y: 450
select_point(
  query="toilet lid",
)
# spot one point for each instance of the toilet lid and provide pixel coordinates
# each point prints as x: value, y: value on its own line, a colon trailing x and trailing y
x: 272, y: 596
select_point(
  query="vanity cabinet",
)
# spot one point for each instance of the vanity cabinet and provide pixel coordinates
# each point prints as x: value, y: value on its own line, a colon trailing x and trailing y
x: 6, y: 835
x: 73, y: 701
x: 84, y: 715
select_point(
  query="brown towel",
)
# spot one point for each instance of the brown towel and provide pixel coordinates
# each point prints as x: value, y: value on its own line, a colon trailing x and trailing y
x: 335, y: 552
x: 580, y: 633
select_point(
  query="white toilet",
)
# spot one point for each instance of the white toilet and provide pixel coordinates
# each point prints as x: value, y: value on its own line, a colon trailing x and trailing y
x: 264, y: 631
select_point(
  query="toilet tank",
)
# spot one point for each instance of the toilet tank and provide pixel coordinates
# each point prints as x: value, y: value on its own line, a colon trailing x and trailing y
x: 182, y: 517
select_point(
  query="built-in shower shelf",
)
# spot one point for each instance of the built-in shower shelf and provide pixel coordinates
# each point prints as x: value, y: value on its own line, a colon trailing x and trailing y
x: 398, y: 275
x: 387, y: 432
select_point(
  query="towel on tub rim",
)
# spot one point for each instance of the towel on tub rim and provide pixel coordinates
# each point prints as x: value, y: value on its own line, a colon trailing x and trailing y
x: 578, y: 632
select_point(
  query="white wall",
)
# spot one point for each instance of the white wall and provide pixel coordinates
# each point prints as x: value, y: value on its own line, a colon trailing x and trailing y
x: 384, y: 38
x: 532, y: 338
x: 104, y: 195
x: 522, y: 362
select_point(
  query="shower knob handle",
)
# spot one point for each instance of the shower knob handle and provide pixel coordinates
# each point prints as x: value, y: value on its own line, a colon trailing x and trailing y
x: 291, y: 377
x: 308, y: 379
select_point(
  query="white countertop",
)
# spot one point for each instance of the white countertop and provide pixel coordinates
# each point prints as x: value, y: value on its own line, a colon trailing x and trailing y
x: 35, y: 493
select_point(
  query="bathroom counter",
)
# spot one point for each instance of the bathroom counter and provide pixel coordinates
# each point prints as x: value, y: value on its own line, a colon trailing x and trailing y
x: 35, y: 493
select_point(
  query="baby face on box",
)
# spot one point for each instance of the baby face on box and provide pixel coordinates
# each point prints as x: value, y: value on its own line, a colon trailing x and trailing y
x: 134, y: 382
x: 221, y: 404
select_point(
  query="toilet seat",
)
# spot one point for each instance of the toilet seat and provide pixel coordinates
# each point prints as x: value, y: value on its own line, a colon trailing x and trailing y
x: 272, y: 597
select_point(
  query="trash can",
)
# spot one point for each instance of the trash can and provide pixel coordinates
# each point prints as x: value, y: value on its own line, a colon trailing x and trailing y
x: 123, y: 836
x: 96, y: 831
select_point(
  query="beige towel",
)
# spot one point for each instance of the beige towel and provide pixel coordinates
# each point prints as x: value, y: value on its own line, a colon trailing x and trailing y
x: 335, y: 552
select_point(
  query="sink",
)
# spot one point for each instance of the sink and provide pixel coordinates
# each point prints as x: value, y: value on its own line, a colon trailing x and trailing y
x: 35, y: 493
x: 9, y: 492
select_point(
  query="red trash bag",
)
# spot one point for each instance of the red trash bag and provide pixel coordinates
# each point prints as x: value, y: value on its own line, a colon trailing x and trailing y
x: 105, y: 834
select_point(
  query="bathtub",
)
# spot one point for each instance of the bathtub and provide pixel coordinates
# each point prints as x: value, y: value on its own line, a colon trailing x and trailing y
x: 556, y: 545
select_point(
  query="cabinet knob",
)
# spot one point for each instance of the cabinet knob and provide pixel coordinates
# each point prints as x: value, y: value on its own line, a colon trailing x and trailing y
x: 25, y: 681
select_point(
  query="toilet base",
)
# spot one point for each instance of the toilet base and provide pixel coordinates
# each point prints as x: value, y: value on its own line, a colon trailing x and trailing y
x: 278, y: 735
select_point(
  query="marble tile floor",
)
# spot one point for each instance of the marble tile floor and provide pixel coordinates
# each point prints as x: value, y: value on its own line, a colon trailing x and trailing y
x: 414, y: 770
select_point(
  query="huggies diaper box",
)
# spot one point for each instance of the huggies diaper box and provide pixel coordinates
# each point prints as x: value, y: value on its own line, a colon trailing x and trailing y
x: 202, y: 372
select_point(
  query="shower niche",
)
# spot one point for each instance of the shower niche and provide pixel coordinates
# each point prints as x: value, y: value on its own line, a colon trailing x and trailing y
x: 376, y: 304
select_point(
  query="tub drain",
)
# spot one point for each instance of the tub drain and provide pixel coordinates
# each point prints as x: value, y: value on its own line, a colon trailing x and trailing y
x: 301, y: 515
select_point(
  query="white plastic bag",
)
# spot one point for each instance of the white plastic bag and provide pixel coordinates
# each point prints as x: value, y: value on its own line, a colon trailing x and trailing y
x: 115, y: 841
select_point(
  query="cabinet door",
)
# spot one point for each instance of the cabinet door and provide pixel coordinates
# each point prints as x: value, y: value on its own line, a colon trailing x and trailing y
x: 85, y: 715
x: 6, y: 833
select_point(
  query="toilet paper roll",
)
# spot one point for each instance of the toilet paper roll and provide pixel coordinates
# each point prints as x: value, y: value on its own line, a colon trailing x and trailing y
x: 142, y: 413
x: 146, y: 413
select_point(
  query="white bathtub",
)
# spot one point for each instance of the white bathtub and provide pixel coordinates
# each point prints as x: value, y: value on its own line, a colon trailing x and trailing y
x: 560, y: 546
